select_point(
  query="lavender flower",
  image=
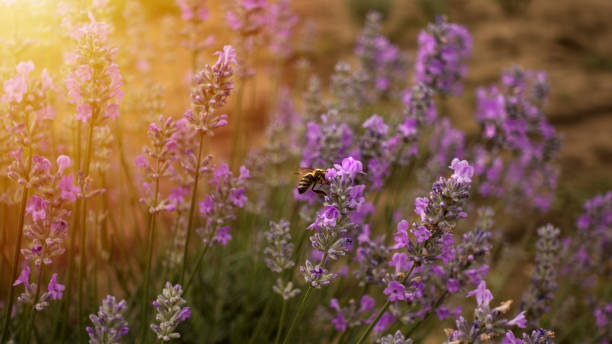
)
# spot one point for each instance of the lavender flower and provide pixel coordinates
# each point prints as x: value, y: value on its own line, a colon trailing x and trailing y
x: 156, y: 161
x: 109, y: 324
x: 371, y: 255
x: 286, y: 291
x: 171, y: 311
x: 488, y: 323
x: 433, y: 241
x: 441, y: 57
x: 513, y: 119
x: 312, y: 100
x: 280, y: 23
x: 49, y: 208
x: 195, y: 35
x: 279, y: 249
x: 229, y: 193
x: 587, y: 251
x: 328, y: 141
x: 211, y: 88
x: 94, y: 83
x: 348, y: 88
x: 603, y: 319
x: 539, y: 296
x: 383, y: 65
x: 31, y: 291
x: 537, y: 336
x: 332, y: 225
x: 397, y: 338
x: 372, y: 152
x: 352, y: 315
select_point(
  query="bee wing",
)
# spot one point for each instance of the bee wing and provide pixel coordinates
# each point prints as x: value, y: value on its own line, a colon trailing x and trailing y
x: 303, y: 171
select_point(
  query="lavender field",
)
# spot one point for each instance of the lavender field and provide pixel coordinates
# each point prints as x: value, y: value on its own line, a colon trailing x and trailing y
x: 289, y: 171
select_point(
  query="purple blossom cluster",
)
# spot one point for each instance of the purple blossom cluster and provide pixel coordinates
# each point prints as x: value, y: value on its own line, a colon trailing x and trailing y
x: 329, y: 141
x: 441, y: 57
x: 587, y: 251
x: 218, y: 206
x: 333, y: 227
x: 94, y: 82
x: 513, y: 120
x: 109, y: 323
x: 211, y: 88
x: 538, y: 298
x: 171, y: 312
x: 427, y: 252
x: 383, y: 64
x: 488, y: 324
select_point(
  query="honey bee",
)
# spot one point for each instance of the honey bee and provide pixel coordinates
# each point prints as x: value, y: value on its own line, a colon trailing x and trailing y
x: 308, y: 177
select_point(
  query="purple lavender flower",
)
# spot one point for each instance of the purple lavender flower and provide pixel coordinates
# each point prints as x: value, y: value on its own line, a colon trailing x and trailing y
x: 171, y: 311
x: 538, y: 298
x: 513, y: 119
x: 280, y: 23
x: 488, y: 324
x: 327, y: 142
x: 219, y: 205
x: 211, y: 89
x: 109, y: 323
x: 432, y: 243
x: 94, y: 82
x: 334, y: 231
x: 587, y: 251
x: 353, y: 314
x: 397, y: 338
x: 603, y: 319
x: 31, y: 290
x: 279, y: 249
x: 441, y: 57
x: 371, y: 255
x: 395, y: 291
x: 383, y: 65
x: 537, y: 336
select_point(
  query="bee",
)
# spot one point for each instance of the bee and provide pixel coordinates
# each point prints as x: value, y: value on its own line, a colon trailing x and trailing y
x: 308, y: 177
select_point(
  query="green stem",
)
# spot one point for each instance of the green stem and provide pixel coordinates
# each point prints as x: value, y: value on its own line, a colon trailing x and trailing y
x: 62, y: 320
x: 281, y: 321
x: 7, y: 317
x: 194, y: 192
x: 82, y: 253
x: 367, y: 331
x: 150, y: 244
x: 199, y: 261
x: 238, y: 127
x: 30, y: 326
x: 297, y: 315
x: 260, y: 321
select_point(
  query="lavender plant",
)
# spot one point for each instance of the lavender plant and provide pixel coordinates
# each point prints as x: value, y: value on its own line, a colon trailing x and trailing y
x: 109, y: 323
x: 170, y: 312
x: 395, y: 254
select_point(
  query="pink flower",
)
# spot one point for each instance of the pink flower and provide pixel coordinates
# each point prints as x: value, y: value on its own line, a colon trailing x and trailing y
x: 24, y: 68
x: 519, y: 320
x: 24, y: 278
x: 83, y: 112
x: 47, y: 82
x: 395, y: 291
x: 69, y: 191
x: 483, y: 295
x: 463, y: 171
x: 55, y: 289
x: 37, y: 208
x: 112, y: 111
x: 63, y: 162
x: 223, y: 236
